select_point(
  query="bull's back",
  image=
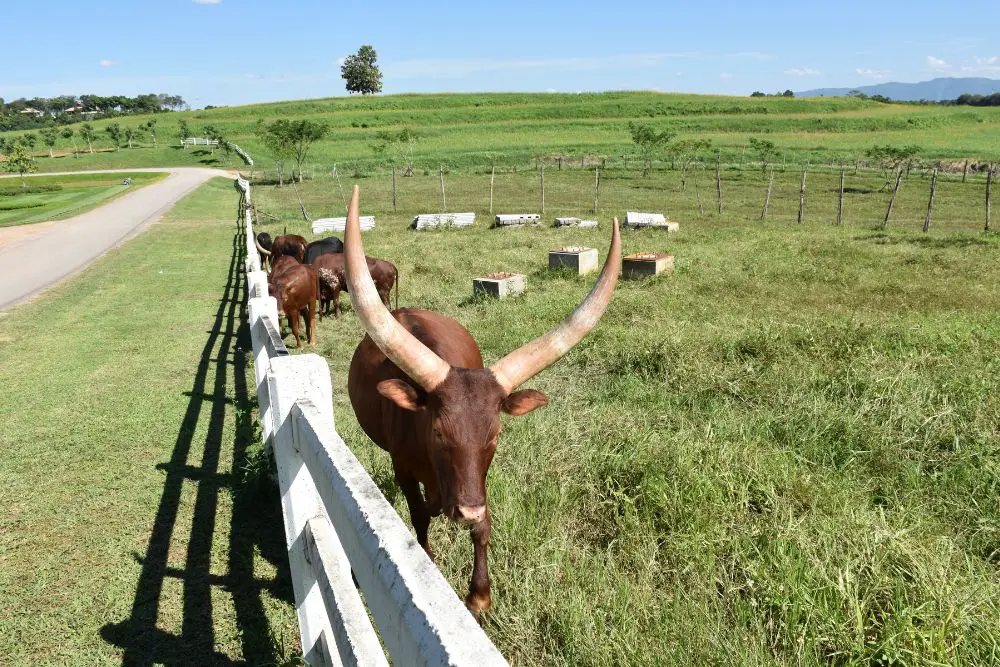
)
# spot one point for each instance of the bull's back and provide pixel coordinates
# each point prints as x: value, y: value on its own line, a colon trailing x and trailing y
x: 378, y: 416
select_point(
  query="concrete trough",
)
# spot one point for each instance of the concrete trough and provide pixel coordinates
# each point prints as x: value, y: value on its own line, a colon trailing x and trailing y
x: 367, y: 223
x: 500, y: 285
x: 578, y: 259
x: 517, y: 219
x: 575, y: 222
x: 436, y: 220
x: 637, y: 220
x: 646, y: 264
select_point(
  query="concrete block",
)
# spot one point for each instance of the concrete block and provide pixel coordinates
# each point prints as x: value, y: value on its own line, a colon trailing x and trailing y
x: 500, y: 285
x: 581, y: 260
x: 646, y: 264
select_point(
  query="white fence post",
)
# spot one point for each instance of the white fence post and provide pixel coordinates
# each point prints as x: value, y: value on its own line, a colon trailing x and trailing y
x: 292, y: 378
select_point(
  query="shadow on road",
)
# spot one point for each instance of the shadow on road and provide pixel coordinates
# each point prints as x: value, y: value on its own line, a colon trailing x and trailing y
x: 256, y: 516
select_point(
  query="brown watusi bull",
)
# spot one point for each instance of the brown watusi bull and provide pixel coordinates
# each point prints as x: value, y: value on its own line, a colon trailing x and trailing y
x: 289, y: 244
x: 296, y: 288
x: 332, y: 279
x: 420, y: 391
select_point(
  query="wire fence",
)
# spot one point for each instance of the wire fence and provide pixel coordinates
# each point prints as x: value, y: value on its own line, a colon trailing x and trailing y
x: 831, y: 195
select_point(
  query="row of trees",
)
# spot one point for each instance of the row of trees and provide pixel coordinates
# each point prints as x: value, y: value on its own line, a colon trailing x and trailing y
x: 23, y: 113
x: 118, y: 135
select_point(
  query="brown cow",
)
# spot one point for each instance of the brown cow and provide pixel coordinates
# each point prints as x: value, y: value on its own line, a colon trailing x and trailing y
x: 296, y: 288
x: 289, y: 244
x: 332, y: 280
x: 420, y: 391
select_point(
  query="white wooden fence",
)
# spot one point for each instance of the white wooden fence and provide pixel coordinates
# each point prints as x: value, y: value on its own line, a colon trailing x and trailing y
x: 337, y: 521
x: 199, y: 141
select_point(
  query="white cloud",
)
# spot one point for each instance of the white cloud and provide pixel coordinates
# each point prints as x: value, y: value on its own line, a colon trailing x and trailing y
x: 725, y: 77
x: 206, y: 2
x: 873, y: 73
x: 937, y: 65
x: 802, y: 71
x: 106, y: 63
x: 990, y: 65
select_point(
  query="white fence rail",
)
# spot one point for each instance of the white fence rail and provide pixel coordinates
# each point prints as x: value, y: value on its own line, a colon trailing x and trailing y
x: 337, y: 522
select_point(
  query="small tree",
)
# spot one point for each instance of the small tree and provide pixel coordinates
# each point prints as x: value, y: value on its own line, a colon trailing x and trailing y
x: 361, y: 73
x: 131, y: 134
x: 88, y: 134
x: 70, y: 135
x: 891, y: 159
x: 29, y: 140
x: 765, y: 150
x: 150, y: 127
x: 686, y: 152
x: 397, y: 147
x: 303, y: 134
x: 184, y: 131
x: 114, y: 131
x: 649, y: 142
x: 278, y: 143
x: 49, y: 136
x: 20, y: 161
x: 212, y: 133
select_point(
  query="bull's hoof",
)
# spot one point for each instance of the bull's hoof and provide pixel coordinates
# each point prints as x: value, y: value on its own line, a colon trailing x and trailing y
x: 477, y: 603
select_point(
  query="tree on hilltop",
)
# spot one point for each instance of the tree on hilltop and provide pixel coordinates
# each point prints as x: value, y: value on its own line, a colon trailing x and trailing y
x: 49, y: 137
x: 69, y: 134
x: 88, y: 134
x: 114, y: 131
x: 361, y: 73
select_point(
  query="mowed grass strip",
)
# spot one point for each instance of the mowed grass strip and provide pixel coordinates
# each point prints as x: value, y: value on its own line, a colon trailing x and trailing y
x: 785, y: 452
x: 51, y: 197
x: 128, y: 531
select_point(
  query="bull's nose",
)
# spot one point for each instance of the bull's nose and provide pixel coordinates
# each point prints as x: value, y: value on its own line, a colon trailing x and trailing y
x: 471, y: 513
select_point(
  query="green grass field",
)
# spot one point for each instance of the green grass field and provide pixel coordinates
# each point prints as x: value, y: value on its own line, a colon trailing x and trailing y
x: 51, y: 197
x: 129, y: 532
x: 783, y: 453
x: 461, y: 130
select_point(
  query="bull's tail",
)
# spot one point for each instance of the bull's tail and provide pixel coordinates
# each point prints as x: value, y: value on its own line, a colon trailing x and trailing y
x: 397, y: 289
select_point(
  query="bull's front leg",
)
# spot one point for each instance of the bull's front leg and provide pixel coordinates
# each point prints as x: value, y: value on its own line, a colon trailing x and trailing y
x: 293, y: 324
x: 479, y: 599
x: 419, y: 516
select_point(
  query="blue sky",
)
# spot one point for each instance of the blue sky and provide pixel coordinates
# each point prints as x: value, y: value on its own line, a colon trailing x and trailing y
x: 241, y: 51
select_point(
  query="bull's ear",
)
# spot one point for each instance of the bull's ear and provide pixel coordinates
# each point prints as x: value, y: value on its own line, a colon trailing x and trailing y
x: 402, y: 394
x: 524, y: 401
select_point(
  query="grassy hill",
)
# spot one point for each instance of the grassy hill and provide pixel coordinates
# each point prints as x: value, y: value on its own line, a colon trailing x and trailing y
x: 460, y: 130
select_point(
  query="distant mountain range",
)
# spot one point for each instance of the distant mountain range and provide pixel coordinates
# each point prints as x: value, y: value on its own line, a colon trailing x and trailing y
x: 935, y: 90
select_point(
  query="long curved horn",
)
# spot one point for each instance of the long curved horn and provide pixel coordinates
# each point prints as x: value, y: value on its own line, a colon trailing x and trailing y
x: 528, y: 360
x: 413, y: 357
x: 260, y: 248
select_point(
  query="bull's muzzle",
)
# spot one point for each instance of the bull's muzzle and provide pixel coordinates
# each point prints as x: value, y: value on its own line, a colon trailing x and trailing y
x: 469, y: 514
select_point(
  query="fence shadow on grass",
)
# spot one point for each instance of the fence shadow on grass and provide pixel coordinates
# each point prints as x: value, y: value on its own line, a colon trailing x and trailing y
x: 256, y: 516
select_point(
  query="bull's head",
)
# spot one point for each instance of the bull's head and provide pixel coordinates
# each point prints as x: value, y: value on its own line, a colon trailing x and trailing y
x: 462, y: 406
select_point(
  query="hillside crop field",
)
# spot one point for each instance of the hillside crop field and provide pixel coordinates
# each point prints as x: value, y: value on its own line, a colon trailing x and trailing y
x: 463, y: 130
x: 784, y: 452
x: 51, y: 197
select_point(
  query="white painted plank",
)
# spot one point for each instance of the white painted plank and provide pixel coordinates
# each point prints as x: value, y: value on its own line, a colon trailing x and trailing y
x: 354, y: 635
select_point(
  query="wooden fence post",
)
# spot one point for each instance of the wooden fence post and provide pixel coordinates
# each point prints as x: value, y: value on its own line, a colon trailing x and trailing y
x: 560, y: 162
x: 965, y: 170
x: 930, y: 202
x: 444, y: 200
x: 542, y: 173
x: 493, y: 173
x: 767, y: 198
x: 989, y: 182
x: 597, y: 187
x: 718, y: 178
x: 840, y: 200
x: 393, y: 188
x: 892, y: 199
x: 802, y: 194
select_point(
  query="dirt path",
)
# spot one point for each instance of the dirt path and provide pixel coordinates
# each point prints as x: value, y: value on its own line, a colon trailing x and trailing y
x: 34, y: 257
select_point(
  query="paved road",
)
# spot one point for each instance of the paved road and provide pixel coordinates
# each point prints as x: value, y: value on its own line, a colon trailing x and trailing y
x: 34, y: 257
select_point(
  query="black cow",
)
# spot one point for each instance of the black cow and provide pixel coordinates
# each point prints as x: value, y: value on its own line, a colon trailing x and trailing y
x: 264, y: 245
x: 323, y: 247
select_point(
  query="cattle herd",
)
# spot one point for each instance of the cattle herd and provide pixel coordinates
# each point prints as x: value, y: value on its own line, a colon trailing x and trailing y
x: 417, y: 381
x: 308, y: 276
